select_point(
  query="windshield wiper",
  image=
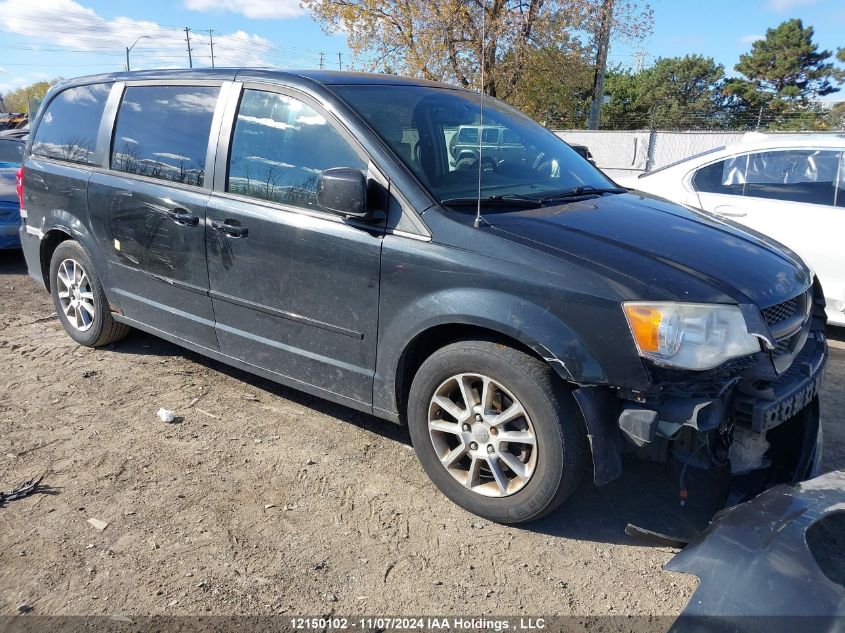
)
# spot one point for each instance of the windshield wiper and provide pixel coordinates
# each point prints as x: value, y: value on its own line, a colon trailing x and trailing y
x: 584, y: 190
x: 498, y: 201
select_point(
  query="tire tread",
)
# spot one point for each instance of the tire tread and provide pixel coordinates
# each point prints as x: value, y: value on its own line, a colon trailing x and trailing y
x: 111, y: 331
x: 569, y: 423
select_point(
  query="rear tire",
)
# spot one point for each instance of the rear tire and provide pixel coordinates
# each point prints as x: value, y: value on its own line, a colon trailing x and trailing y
x: 79, y: 299
x: 513, y: 459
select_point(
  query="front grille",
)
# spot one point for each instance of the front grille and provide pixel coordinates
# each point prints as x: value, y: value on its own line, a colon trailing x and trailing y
x: 782, y: 311
x: 786, y: 318
x: 782, y: 347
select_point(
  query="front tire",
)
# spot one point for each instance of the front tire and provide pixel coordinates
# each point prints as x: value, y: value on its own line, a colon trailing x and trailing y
x: 496, y: 431
x: 79, y: 298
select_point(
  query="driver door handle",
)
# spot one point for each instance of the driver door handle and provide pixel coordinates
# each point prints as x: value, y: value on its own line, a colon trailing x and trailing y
x: 232, y: 228
x: 183, y: 217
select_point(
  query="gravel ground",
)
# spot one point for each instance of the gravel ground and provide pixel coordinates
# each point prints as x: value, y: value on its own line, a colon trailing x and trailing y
x: 259, y: 499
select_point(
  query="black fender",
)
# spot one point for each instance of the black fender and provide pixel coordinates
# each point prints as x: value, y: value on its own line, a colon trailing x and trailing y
x: 529, y: 324
x: 62, y: 221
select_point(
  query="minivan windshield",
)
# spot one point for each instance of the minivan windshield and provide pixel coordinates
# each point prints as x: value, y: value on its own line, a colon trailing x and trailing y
x: 438, y: 133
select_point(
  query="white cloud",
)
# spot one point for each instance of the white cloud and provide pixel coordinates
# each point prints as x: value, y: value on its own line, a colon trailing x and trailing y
x: 750, y: 39
x: 254, y: 9
x: 66, y: 23
x: 780, y: 6
x: 13, y: 84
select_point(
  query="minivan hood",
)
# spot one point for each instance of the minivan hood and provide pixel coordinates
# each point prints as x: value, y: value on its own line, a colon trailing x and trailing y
x: 636, y: 236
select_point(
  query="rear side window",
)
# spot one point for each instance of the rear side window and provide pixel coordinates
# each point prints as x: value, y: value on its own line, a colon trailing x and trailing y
x: 468, y: 135
x: 797, y: 175
x: 11, y: 152
x: 509, y: 137
x: 162, y: 132
x: 280, y: 147
x: 68, y: 130
x: 490, y: 135
x: 726, y: 177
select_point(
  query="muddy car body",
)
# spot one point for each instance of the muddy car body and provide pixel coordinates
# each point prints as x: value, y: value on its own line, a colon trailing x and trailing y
x: 311, y: 228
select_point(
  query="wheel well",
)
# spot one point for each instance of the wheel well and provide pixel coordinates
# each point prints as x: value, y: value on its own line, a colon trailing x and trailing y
x: 49, y: 243
x: 431, y: 340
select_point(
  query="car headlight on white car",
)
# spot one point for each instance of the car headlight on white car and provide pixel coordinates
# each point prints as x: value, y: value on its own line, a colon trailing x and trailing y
x: 689, y: 335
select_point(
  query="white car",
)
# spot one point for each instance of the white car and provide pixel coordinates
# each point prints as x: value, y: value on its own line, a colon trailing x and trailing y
x: 790, y: 187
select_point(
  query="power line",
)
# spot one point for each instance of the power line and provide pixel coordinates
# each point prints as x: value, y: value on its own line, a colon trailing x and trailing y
x: 93, y: 36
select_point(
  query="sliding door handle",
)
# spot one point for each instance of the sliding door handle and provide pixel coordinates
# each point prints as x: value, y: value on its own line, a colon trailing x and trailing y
x: 232, y: 228
x: 183, y: 217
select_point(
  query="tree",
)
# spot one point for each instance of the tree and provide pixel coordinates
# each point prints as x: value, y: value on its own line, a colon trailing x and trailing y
x: 627, y: 108
x: 446, y: 40
x: 19, y: 100
x: 675, y: 93
x: 685, y: 92
x: 783, y: 72
x: 546, y: 94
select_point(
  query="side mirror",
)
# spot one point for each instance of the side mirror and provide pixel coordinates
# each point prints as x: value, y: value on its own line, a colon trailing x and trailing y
x: 343, y: 191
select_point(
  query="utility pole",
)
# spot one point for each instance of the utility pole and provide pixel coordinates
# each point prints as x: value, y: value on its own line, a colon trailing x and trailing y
x: 339, y: 62
x: 321, y: 60
x: 188, y: 39
x: 639, y: 60
x: 211, y: 44
x: 601, y: 64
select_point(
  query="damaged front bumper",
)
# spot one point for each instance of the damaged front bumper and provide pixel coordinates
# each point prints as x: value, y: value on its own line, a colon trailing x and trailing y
x: 757, y: 416
x: 775, y: 563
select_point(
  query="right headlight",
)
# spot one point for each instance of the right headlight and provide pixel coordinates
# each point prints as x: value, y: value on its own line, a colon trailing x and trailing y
x: 689, y: 335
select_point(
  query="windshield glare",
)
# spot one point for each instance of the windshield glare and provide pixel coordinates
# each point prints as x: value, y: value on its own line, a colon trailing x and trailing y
x: 437, y: 132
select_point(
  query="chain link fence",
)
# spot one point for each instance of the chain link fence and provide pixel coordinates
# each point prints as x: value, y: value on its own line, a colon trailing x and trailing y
x: 633, y: 152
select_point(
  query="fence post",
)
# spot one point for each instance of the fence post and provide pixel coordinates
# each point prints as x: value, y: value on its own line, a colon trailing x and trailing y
x: 649, y: 160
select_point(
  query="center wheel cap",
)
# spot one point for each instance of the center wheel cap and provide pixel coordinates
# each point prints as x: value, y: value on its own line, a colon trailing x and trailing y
x: 481, y: 434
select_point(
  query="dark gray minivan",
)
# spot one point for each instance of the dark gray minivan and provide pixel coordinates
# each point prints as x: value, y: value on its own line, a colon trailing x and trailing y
x: 524, y: 316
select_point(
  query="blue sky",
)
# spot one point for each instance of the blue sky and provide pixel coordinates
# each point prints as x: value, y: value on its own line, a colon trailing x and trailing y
x: 41, y: 39
x: 724, y: 29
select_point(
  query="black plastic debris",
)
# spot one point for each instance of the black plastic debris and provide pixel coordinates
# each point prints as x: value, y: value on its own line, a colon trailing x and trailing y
x: 25, y: 489
x: 770, y: 564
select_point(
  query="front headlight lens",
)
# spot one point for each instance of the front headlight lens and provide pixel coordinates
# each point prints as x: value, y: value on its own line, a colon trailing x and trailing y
x: 689, y: 335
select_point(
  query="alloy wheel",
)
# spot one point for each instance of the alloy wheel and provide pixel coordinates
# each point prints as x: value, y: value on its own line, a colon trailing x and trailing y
x: 76, y: 295
x: 482, y: 435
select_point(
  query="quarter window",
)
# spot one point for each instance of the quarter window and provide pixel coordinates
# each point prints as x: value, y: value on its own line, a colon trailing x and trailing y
x: 799, y: 175
x: 68, y: 129
x: 280, y: 147
x: 162, y: 132
x: 726, y: 177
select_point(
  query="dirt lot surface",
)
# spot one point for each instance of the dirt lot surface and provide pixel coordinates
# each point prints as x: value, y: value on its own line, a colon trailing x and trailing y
x: 261, y: 500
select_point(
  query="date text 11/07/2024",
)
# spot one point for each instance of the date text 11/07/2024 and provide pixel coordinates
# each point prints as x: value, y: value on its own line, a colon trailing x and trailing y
x: 418, y: 623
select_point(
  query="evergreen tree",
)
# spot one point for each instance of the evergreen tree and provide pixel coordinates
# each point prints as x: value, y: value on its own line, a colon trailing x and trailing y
x: 783, y: 74
x: 675, y: 93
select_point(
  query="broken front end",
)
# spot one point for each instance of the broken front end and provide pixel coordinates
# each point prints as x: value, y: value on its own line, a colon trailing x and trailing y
x: 756, y: 415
